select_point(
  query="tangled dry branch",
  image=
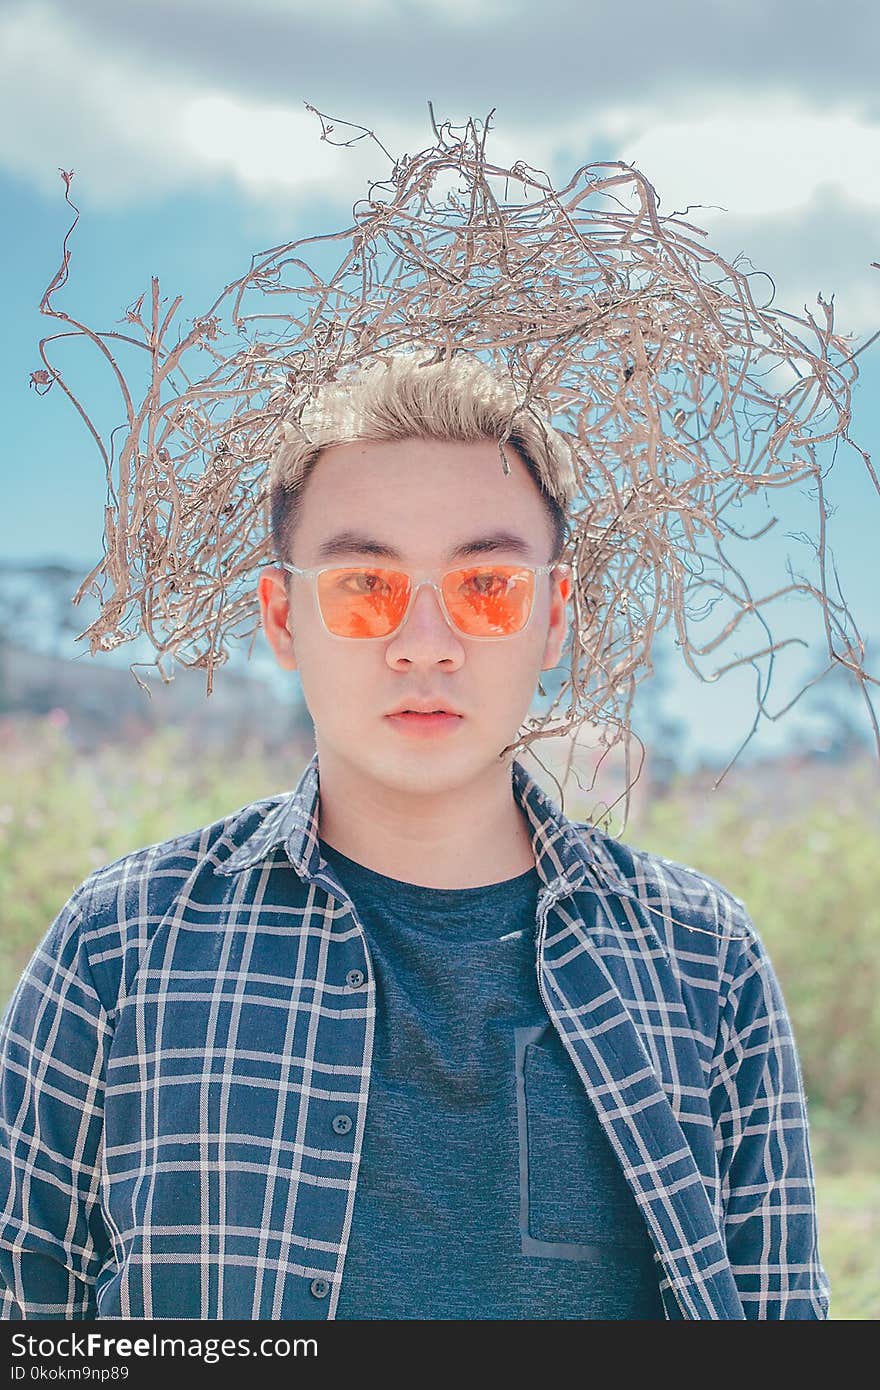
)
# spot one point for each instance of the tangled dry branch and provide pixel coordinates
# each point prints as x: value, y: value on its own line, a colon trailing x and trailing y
x: 684, y: 401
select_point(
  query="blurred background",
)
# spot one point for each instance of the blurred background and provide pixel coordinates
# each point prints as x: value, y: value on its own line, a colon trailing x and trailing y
x: 192, y: 148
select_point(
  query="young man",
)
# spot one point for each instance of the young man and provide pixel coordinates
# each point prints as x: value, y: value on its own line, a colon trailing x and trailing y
x: 407, y: 1042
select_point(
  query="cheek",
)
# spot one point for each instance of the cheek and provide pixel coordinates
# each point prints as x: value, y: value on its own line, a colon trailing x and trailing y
x: 508, y: 671
x: 338, y: 680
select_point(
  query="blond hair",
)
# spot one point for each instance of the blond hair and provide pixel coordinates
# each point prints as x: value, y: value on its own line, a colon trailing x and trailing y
x: 408, y: 395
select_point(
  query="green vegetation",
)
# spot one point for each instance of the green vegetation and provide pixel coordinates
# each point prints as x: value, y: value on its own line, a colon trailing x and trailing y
x: 809, y: 881
x: 849, y: 1239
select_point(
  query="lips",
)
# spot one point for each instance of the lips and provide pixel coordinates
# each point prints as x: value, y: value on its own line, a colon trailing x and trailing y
x: 424, y: 708
x: 424, y: 722
x: 451, y: 712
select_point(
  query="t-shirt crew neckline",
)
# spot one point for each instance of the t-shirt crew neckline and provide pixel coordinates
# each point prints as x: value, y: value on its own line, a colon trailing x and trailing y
x: 420, y: 895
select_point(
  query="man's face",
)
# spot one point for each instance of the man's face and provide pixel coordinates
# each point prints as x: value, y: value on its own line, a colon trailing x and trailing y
x: 421, y: 499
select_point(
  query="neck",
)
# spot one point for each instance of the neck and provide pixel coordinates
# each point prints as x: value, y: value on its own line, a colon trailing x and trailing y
x: 456, y: 837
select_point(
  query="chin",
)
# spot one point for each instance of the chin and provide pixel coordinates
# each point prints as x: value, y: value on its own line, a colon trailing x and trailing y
x: 431, y: 771
x: 421, y: 769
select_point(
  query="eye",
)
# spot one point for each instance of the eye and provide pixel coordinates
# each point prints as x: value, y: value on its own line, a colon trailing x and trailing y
x: 362, y: 583
x: 485, y: 583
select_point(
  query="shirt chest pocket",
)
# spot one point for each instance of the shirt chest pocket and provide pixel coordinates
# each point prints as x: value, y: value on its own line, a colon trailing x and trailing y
x: 575, y: 1202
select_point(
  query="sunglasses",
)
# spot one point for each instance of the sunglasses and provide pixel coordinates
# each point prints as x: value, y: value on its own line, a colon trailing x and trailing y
x: 481, y: 601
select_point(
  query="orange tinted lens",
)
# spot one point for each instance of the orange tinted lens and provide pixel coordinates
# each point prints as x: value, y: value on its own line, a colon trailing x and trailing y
x: 362, y: 602
x: 489, y: 600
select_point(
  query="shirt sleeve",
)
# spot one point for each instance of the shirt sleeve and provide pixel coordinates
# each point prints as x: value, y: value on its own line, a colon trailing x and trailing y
x: 53, y: 1041
x: 762, y: 1139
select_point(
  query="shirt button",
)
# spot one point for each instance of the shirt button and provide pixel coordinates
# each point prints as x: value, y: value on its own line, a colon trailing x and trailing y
x: 319, y: 1288
x: 355, y: 978
x: 342, y: 1123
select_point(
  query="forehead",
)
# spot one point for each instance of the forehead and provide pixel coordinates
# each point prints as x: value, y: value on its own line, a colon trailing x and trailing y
x: 420, y: 499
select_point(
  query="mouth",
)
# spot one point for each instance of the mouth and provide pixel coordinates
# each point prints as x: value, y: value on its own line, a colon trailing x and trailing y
x: 424, y: 721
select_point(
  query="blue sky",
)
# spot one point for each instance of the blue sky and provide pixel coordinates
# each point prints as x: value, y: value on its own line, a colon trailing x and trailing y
x: 186, y: 126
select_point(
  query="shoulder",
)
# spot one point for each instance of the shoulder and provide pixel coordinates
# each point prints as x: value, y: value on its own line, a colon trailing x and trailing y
x: 177, y: 857
x: 120, y: 905
x: 689, y: 911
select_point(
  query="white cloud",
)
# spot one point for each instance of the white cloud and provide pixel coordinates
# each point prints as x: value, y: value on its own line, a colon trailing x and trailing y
x: 131, y: 132
x: 756, y: 156
x: 68, y: 97
x: 65, y: 103
x: 134, y: 130
x: 265, y: 148
x: 458, y: 12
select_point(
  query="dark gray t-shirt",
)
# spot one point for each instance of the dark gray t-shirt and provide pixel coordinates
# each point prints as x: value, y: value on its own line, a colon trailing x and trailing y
x: 487, y: 1187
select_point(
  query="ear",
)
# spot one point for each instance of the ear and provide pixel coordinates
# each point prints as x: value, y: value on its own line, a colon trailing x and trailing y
x: 276, y: 617
x: 558, y: 624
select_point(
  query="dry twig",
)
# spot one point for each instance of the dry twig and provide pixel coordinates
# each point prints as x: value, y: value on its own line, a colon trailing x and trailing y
x: 683, y: 401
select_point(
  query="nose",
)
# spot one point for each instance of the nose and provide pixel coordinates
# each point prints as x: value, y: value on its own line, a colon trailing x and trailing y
x: 426, y: 636
x: 426, y: 611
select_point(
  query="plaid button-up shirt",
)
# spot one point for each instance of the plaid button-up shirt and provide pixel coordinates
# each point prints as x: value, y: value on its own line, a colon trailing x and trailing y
x: 185, y: 1067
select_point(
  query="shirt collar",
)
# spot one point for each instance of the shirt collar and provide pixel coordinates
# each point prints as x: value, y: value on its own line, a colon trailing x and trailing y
x: 566, y: 853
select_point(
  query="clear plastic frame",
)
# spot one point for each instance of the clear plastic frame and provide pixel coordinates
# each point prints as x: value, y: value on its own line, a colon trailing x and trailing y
x: 510, y: 607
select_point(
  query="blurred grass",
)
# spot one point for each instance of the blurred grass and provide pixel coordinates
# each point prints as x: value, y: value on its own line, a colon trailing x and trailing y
x: 847, y: 1166
x: 809, y: 881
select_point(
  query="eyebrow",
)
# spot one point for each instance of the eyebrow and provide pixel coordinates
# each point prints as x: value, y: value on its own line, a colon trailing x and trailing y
x: 355, y: 543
